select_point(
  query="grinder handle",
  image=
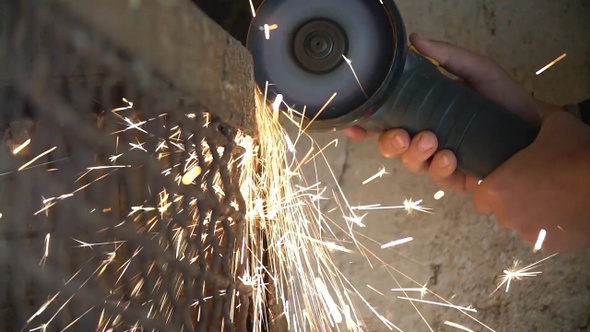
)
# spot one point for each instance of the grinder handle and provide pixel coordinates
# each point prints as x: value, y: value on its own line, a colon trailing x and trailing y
x: 482, y: 134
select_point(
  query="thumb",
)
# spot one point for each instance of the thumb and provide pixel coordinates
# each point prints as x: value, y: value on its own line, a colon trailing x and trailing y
x: 470, y: 66
x: 482, y: 74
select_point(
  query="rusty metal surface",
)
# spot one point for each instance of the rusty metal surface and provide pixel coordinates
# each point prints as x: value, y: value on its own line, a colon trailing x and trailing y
x: 177, y: 40
x: 96, y: 230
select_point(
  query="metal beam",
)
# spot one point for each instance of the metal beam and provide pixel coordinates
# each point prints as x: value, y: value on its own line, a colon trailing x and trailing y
x: 180, y: 43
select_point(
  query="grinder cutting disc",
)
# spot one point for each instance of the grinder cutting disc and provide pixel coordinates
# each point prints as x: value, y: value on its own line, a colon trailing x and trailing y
x: 301, y: 49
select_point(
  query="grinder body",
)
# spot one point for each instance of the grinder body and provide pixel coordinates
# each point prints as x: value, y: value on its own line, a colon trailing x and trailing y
x: 387, y: 85
x: 482, y: 134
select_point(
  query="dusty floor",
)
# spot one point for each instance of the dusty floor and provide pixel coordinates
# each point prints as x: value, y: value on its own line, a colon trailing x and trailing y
x: 456, y: 252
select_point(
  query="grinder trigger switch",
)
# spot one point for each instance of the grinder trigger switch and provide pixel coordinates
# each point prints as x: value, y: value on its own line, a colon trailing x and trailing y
x: 434, y: 62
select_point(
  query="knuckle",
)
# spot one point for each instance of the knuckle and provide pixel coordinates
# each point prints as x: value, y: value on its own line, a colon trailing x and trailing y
x: 446, y: 181
x: 441, y: 183
x: 405, y: 160
x: 438, y: 178
x: 411, y: 165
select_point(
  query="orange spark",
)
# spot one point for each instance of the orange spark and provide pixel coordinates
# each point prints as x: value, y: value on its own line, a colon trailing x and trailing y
x: 21, y: 147
x: 559, y: 58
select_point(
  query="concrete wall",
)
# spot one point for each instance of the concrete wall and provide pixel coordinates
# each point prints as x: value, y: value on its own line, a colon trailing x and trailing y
x: 456, y: 252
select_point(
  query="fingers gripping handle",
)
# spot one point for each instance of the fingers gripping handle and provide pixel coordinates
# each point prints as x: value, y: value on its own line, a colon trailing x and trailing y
x: 482, y: 134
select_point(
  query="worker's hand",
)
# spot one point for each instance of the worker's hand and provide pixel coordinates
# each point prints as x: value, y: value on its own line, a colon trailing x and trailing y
x: 545, y: 186
x: 481, y: 74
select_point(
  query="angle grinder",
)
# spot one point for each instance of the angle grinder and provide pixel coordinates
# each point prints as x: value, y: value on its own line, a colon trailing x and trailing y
x: 342, y: 63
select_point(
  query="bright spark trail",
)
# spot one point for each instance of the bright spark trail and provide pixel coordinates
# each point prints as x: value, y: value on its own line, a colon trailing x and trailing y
x: 377, y: 175
x: 27, y: 164
x: 437, y: 303
x: 550, y: 64
x: 409, y: 205
x: 517, y: 273
x: 21, y: 147
x: 396, y: 242
x: 540, y: 240
x: 439, y: 194
x: 349, y: 62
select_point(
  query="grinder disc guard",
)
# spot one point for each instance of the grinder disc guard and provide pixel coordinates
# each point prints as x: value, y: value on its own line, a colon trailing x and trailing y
x: 304, y: 57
